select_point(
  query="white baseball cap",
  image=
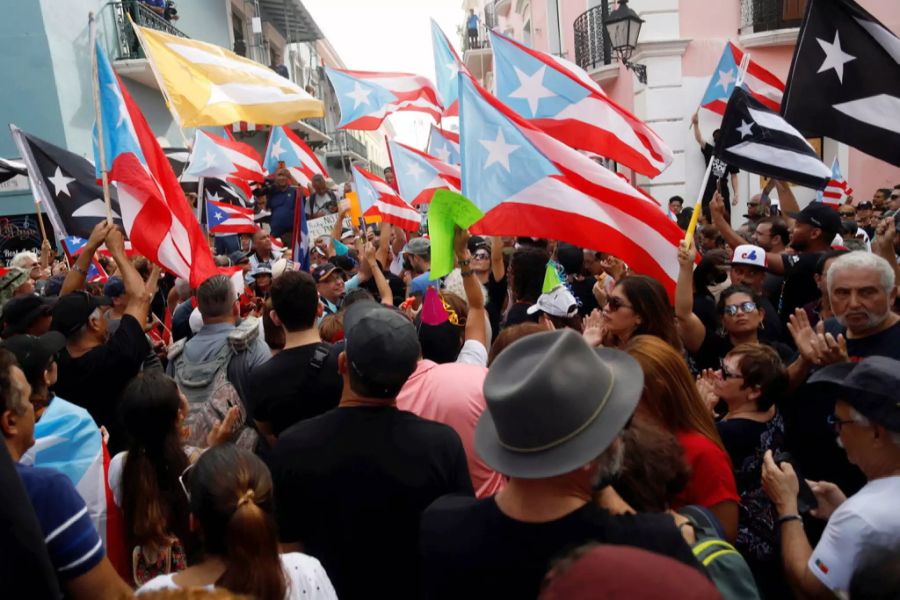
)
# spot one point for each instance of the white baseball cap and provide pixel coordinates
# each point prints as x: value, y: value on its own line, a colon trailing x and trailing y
x: 748, y: 254
x: 558, y: 302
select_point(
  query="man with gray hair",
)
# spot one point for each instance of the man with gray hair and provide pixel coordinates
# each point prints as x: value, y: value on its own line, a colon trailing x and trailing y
x: 867, y: 420
x: 558, y: 445
x: 213, y: 367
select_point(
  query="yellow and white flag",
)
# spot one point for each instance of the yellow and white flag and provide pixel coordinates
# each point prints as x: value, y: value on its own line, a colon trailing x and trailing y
x: 208, y: 85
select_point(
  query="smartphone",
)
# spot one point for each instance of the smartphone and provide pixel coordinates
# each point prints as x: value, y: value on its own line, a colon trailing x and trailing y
x: 806, y: 500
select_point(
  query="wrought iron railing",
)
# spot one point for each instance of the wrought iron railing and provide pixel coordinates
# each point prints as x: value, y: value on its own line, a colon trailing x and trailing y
x: 343, y: 141
x: 125, y: 44
x: 317, y: 122
x: 592, y: 48
x: 481, y: 38
x: 768, y: 15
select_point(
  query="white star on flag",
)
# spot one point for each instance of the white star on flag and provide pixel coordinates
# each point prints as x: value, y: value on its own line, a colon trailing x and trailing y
x: 277, y: 150
x: 498, y: 150
x: 414, y: 170
x: 531, y: 88
x: 835, y: 57
x: 443, y: 153
x: 726, y: 78
x: 61, y: 183
x: 219, y: 216
x: 453, y: 68
x: 208, y: 159
x: 359, y: 94
x: 121, y: 107
x: 214, y: 196
x: 745, y: 128
x: 73, y: 241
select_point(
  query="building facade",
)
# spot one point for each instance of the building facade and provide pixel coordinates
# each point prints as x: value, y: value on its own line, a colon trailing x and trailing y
x: 680, y: 44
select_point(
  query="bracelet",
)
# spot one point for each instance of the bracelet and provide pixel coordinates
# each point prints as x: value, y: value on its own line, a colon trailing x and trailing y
x: 787, y: 518
x: 466, y: 273
x: 464, y: 262
x: 78, y: 269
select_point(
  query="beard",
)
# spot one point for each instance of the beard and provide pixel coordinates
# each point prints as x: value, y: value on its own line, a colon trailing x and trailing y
x: 872, y: 320
x: 610, y: 465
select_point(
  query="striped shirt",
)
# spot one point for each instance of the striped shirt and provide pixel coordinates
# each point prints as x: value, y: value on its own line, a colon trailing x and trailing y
x: 72, y: 542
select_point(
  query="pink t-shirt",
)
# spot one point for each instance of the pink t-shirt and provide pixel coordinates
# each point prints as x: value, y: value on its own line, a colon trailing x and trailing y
x: 452, y: 394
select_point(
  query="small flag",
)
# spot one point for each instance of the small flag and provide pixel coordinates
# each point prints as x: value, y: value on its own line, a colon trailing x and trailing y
x: 443, y: 145
x: 419, y: 175
x: 844, y: 81
x: 551, y: 278
x: 377, y: 197
x: 285, y: 146
x: 755, y: 139
x: 214, y: 156
x: 73, y: 245
x: 227, y: 218
x: 367, y: 98
x: 837, y: 186
x: 761, y: 84
x: 208, y: 85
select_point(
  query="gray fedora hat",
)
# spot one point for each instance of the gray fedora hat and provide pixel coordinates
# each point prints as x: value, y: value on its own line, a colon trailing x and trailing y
x: 554, y: 404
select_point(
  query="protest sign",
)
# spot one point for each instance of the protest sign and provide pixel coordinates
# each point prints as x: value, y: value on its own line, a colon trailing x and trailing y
x: 447, y: 209
x: 323, y: 226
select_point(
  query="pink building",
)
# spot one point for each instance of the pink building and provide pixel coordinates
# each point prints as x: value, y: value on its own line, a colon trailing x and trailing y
x: 680, y: 44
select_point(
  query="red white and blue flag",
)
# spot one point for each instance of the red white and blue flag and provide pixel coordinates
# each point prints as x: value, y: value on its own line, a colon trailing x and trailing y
x: 222, y: 217
x: 366, y: 98
x: 73, y: 245
x: 760, y: 83
x: 376, y: 197
x: 837, y: 186
x: 225, y: 158
x: 419, y: 175
x: 530, y: 184
x: 287, y: 147
x: 561, y: 98
x: 158, y: 219
x: 443, y: 145
x: 446, y: 66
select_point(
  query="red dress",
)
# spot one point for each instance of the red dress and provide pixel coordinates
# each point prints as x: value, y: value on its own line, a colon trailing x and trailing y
x: 712, y: 478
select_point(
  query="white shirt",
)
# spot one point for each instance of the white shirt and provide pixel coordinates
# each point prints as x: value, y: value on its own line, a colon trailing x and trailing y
x: 307, y: 579
x: 473, y: 352
x: 869, y: 517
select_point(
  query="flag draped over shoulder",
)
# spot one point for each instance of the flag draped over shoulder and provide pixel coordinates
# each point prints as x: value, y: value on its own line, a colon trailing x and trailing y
x: 208, y: 85
x: 755, y: 139
x: 157, y: 217
x: 528, y: 183
x: 419, y: 175
x: 367, y: 98
x: 561, y: 98
x: 844, y: 81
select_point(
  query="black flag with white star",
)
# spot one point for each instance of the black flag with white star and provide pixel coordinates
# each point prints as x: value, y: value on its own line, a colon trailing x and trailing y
x: 844, y: 81
x: 66, y: 185
x: 755, y: 139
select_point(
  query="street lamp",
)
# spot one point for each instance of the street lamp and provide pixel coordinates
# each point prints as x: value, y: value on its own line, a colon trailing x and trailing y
x: 623, y: 26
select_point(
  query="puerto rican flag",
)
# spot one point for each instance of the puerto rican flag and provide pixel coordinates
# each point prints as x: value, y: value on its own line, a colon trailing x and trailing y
x: 530, y: 184
x: 443, y: 145
x: 419, y: 175
x: 562, y: 99
x: 228, y: 218
x: 286, y: 146
x: 446, y: 66
x: 224, y: 158
x: 376, y: 197
x: 73, y: 245
x: 760, y: 83
x: 837, y: 186
x: 367, y: 98
x: 157, y: 217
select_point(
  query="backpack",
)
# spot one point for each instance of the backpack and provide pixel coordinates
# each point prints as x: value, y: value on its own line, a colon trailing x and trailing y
x: 725, y: 565
x: 209, y: 392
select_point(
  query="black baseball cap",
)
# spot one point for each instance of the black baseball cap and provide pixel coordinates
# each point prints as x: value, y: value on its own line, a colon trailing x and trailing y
x: 819, y: 215
x: 238, y: 256
x: 324, y: 270
x: 72, y: 311
x: 33, y: 353
x: 381, y: 345
x: 20, y: 312
x: 870, y: 386
x: 865, y: 205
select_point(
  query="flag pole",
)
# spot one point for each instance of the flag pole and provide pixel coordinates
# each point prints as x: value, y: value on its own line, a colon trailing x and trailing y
x: 101, y: 142
x: 40, y: 219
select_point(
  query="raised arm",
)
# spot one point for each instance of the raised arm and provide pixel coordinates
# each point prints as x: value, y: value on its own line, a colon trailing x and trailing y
x: 384, y: 244
x: 498, y: 267
x: 691, y: 328
x: 476, y: 322
x: 787, y: 200
x: 883, y: 246
x: 384, y: 290
x: 139, y: 293
x: 717, y: 209
x: 734, y: 186
x: 78, y: 273
x: 695, y: 125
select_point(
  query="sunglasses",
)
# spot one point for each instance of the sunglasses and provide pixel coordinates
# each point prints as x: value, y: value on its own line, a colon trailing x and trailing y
x: 745, y: 307
x: 481, y: 256
x: 615, y: 304
x: 726, y: 374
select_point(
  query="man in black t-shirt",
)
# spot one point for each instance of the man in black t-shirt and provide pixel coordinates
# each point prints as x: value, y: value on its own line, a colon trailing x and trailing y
x: 301, y: 381
x: 351, y: 484
x: 558, y: 445
x: 95, y: 366
x: 717, y: 181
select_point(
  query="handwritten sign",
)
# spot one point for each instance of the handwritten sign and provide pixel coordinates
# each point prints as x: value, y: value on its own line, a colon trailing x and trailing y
x: 323, y: 226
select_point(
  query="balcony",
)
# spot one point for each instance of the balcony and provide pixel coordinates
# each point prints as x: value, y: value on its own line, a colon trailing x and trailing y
x: 477, y: 46
x: 121, y: 42
x: 592, y: 48
x: 313, y: 130
x: 345, y: 145
x: 770, y: 22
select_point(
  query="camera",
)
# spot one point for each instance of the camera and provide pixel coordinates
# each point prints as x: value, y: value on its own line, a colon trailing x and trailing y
x: 266, y: 188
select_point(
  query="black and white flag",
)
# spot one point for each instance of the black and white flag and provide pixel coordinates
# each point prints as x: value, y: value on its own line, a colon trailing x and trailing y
x: 66, y: 186
x: 755, y: 139
x: 844, y: 81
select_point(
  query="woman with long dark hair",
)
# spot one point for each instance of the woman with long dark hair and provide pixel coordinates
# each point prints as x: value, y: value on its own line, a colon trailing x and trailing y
x: 232, y: 502
x: 639, y: 305
x: 671, y: 402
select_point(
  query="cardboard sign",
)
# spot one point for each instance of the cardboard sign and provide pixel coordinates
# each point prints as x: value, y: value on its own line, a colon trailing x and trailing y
x: 323, y: 226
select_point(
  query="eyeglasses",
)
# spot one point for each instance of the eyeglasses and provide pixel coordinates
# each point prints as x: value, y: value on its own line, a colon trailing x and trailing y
x: 745, y: 307
x: 726, y: 374
x: 615, y: 304
x: 481, y: 256
x: 837, y: 423
x: 181, y: 477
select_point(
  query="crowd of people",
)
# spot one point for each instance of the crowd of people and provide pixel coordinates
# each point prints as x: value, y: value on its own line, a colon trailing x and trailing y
x: 361, y: 429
